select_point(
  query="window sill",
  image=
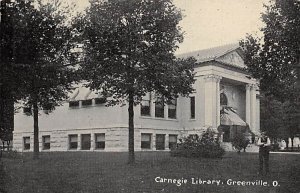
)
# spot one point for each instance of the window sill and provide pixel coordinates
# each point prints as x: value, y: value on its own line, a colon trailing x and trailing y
x: 144, y: 149
x: 158, y: 118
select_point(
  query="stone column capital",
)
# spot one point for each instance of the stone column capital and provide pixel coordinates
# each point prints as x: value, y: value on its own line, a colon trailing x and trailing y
x: 212, y: 77
x: 251, y: 86
x: 248, y: 86
x: 255, y: 87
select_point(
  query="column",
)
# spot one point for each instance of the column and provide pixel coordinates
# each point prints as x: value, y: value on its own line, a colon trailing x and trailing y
x: 212, y: 101
x: 257, y: 111
x: 79, y: 142
x: 248, y: 102
x: 152, y: 104
x: 253, y: 108
x: 153, y: 145
x: 218, y: 102
x: 166, y: 113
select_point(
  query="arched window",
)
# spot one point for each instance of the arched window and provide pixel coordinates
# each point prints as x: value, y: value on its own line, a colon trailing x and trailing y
x: 223, y: 99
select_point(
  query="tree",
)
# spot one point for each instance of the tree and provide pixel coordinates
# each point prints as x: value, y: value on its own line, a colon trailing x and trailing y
x: 291, y: 111
x: 9, y: 82
x: 129, y: 51
x: 273, y: 59
x: 272, y: 117
x: 240, y: 142
x: 41, y: 44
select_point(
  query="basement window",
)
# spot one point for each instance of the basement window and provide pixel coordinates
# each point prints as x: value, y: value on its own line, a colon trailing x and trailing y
x: 26, y: 143
x: 73, y: 141
x: 100, y: 141
x: 160, y: 141
x: 85, y: 141
x: 172, y: 141
x: 146, y: 141
x: 46, y: 142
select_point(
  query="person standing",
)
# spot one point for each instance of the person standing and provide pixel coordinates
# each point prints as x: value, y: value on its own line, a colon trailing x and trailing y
x: 264, y: 149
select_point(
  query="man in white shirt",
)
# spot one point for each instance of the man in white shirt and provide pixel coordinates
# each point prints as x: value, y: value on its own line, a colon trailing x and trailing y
x: 264, y: 144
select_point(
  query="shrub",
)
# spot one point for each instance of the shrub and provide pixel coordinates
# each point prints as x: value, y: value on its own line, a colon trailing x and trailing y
x: 240, y: 142
x: 194, y: 146
x: 274, y: 147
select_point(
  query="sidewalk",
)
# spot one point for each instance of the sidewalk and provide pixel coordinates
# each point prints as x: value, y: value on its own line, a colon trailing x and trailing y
x: 279, y: 152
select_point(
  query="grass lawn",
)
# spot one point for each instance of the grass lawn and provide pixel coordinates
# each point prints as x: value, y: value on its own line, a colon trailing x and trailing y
x: 89, y: 172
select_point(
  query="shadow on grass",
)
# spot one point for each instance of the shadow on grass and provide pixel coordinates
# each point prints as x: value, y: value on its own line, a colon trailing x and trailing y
x: 89, y: 172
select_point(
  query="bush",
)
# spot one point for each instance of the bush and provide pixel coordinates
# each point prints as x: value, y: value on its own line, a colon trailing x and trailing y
x: 274, y: 147
x: 240, y: 142
x: 194, y: 146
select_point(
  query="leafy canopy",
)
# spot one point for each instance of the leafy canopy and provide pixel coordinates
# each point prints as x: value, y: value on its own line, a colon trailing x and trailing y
x: 42, y: 48
x: 272, y: 59
x: 129, y: 49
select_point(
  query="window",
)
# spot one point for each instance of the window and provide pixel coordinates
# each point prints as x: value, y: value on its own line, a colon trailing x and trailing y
x: 100, y: 141
x: 87, y: 102
x: 73, y: 141
x: 46, y: 142
x: 223, y: 99
x: 145, y: 105
x: 26, y: 141
x: 172, y: 141
x: 192, y: 102
x: 74, y: 104
x: 159, y: 107
x: 172, y: 109
x: 100, y: 100
x: 85, y: 141
x: 146, y: 141
x: 160, y: 142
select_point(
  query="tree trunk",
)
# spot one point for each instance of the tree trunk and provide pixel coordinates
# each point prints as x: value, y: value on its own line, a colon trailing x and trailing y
x: 292, y: 141
x: 35, y: 130
x: 131, y: 159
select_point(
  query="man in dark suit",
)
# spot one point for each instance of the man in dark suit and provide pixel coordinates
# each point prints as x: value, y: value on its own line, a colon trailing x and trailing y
x: 264, y: 149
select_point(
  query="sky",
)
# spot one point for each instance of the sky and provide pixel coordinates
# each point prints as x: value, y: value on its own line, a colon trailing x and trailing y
x: 210, y: 23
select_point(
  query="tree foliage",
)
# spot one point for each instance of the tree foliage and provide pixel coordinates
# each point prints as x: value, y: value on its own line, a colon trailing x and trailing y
x: 8, y: 81
x: 279, y: 119
x: 272, y: 117
x: 240, y: 142
x: 129, y: 51
x: 39, y: 45
x: 273, y: 60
